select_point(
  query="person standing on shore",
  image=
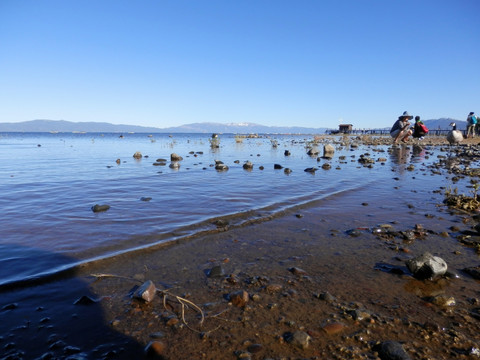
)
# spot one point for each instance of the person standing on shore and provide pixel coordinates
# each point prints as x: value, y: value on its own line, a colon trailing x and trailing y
x: 471, y: 124
x: 401, y: 128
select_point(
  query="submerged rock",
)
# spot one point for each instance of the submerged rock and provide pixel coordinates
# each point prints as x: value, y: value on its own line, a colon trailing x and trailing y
x: 99, y: 208
x: 174, y: 165
x: 473, y: 272
x: 333, y: 328
x: 239, y: 298
x: 299, y: 339
x: 215, y: 272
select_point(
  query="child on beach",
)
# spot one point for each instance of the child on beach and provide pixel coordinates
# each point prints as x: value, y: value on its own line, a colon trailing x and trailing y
x: 419, y: 129
x: 400, y: 129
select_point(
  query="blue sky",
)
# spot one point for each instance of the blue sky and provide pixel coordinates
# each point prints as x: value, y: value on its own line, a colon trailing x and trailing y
x: 272, y: 62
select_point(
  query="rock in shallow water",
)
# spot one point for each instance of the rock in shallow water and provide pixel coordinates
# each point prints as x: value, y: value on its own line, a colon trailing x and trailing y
x: 99, y: 208
x: 239, y: 298
x: 146, y: 291
x: 391, y: 350
x: 215, y: 272
x: 299, y: 339
x: 328, y: 151
x: 333, y: 328
x: 427, y: 266
x: 473, y: 272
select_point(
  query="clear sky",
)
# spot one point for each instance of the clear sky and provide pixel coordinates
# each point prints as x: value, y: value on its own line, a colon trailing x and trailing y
x: 311, y: 63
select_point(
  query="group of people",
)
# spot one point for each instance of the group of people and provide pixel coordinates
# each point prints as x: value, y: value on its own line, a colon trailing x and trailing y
x: 402, y: 130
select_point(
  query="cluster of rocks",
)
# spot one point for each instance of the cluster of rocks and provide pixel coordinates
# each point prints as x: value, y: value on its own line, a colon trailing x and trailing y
x: 353, y: 321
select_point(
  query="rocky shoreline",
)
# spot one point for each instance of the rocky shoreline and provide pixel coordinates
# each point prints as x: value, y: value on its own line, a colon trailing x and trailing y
x: 310, y: 284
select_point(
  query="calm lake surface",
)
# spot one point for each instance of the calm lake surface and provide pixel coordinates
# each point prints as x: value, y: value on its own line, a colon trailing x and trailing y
x: 49, y: 182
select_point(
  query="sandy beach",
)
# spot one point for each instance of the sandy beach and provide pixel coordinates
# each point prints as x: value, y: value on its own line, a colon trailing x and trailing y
x: 326, y: 280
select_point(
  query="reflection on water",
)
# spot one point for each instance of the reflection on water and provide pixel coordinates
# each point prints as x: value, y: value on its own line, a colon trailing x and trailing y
x: 404, y: 154
x: 418, y: 152
x: 50, y: 185
x: 400, y: 154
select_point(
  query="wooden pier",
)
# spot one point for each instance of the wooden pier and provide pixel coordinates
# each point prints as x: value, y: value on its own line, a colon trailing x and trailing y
x: 431, y: 132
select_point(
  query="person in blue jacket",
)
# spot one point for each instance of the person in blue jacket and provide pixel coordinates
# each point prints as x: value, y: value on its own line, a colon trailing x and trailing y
x: 472, y: 125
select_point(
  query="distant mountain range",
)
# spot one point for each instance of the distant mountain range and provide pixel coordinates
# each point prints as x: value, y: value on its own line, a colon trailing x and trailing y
x: 237, y: 128
x: 233, y: 128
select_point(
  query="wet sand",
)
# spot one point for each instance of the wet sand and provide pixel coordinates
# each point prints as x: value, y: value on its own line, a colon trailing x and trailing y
x: 320, y: 284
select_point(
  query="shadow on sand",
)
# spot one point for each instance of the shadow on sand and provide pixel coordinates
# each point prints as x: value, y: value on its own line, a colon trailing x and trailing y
x: 54, y: 316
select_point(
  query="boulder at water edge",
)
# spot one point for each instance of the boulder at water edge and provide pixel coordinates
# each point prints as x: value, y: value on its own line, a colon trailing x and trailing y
x: 427, y: 266
x: 328, y: 151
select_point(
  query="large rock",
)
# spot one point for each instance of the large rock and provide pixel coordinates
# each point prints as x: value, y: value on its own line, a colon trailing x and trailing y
x: 427, y: 266
x: 328, y: 151
x: 175, y: 157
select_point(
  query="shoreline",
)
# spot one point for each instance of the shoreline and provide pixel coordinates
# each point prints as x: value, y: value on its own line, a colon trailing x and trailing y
x: 318, y: 285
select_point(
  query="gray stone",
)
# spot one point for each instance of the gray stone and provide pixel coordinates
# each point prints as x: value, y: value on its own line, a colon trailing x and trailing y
x: 392, y: 350
x: 215, y: 272
x: 427, y: 266
x: 299, y: 339
x: 146, y: 291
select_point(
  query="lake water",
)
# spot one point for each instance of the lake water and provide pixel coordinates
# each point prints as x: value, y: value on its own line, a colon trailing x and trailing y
x: 49, y: 182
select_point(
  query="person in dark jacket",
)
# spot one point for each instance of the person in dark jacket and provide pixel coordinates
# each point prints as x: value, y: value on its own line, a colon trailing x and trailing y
x: 419, y: 129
